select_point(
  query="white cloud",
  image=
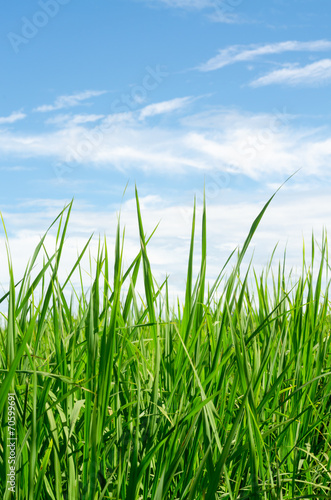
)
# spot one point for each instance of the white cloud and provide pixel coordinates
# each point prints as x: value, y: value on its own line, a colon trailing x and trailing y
x: 68, y: 101
x: 261, y: 146
x: 242, y: 53
x: 315, y: 74
x: 188, y: 4
x: 12, y: 118
x: 223, y: 16
x: 164, y: 107
x: 221, y: 12
x: 69, y: 119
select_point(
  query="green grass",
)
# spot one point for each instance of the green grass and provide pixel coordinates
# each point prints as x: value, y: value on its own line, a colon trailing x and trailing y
x: 129, y: 398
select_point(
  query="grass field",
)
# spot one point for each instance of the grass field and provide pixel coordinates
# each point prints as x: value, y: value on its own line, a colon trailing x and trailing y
x: 130, y: 398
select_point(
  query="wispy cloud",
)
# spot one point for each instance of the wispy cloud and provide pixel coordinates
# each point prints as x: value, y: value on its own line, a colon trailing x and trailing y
x: 68, y: 101
x: 69, y: 119
x: 256, y: 145
x: 315, y: 74
x: 164, y: 107
x: 188, y: 4
x: 219, y: 11
x: 12, y: 118
x: 225, y: 17
x: 242, y: 53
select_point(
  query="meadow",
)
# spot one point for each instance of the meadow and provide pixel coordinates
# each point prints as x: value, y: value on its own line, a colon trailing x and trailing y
x: 224, y: 396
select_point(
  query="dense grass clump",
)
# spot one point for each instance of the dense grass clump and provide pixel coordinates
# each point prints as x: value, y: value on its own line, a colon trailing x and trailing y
x: 129, y: 398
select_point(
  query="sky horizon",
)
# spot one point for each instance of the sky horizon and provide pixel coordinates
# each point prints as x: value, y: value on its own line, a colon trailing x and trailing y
x: 174, y: 96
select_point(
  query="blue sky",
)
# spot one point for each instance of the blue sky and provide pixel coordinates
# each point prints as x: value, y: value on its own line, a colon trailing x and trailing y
x: 168, y: 94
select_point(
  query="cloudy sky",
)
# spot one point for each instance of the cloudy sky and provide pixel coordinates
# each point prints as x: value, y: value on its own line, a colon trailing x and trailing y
x: 170, y: 95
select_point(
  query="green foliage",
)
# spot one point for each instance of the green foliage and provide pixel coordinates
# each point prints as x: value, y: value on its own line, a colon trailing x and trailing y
x: 223, y: 398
